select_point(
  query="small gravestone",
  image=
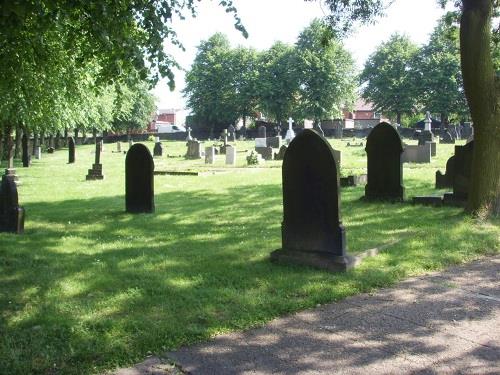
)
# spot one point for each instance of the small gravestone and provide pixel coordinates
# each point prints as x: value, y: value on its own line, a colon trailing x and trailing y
x: 462, y: 171
x: 274, y: 142
x: 11, y: 214
x: 281, y: 153
x: 158, y: 149
x: 139, y: 180
x: 118, y: 148
x: 290, y: 134
x: 232, y: 133
x: 194, y: 149
x: 26, y: 152
x: 38, y: 152
x: 210, y: 155
x: 262, y: 131
x: 71, y: 150
x: 50, y: 150
x: 446, y: 180
x: 312, y: 231
x: 446, y: 138
x: 265, y: 152
x: 96, y: 172
x: 230, y: 155
x: 385, y: 170
x: 417, y: 153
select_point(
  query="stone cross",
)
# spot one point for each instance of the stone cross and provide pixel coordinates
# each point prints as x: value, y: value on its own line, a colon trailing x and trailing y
x: 427, y: 121
x: 224, y: 134
x: 189, y: 137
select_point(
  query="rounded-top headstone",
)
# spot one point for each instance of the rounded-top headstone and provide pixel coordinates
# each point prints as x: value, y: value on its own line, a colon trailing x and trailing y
x: 139, y: 180
x: 385, y: 169
x: 71, y: 150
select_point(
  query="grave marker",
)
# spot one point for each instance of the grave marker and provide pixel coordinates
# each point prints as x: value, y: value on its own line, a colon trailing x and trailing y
x: 139, y: 180
x: 71, y: 150
x: 11, y: 214
x: 26, y: 152
x: 96, y: 172
x: 210, y: 155
x: 230, y: 155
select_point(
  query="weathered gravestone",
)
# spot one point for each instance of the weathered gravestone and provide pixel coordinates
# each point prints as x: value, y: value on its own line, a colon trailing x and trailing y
x: 281, y: 153
x: 210, y: 155
x: 194, y: 149
x: 446, y: 180
x: 38, y: 152
x: 26, y: 152
x: 385, y: 169
x: 158, y: 149
x: 265, y: 152
x: 11, y: 215
x: 262, y: 132
x: 96, y: 172
x: 417, y: 153
x: 446, y: 138
x: 71, y: 150
x: 274, y: 142
x: 312, y: 232
x: 230, y: 155
x: 462, y: 174
x: 139, y: 180
x: 426, y: 135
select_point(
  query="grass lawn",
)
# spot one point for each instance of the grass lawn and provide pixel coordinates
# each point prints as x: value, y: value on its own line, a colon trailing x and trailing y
x: 89, y: 287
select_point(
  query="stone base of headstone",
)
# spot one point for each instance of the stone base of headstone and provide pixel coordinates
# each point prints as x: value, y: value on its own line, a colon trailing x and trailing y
x: 450, y: 199
x: 353, y: 180
x: 265, y: 152
x: 316, y: 259
x: 95, y: 173
x: 428, y: 200
x: 443, y: 181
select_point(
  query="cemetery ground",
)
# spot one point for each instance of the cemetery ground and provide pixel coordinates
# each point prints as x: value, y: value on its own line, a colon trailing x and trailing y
x: 89, y: 287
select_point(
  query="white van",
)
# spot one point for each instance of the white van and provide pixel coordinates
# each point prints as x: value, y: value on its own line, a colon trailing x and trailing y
x: 166, y: 127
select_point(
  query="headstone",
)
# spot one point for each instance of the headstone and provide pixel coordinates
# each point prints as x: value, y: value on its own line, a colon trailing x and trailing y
x: 417, y: 153
x: 26, y: 152
x: 71, y: 150
x: 96, y: 172
x: 194, y: 150
x: 11, y: 214
x: 118, y: 147
x: 446, y: 138
x: 210, y: 155
x: 230, y: 155
x: 446, y: 180
x: 289, y: 133
x: 38, y: 152
x: 463, y: 171
x: 385, y: 169
x: 274, y: 142
x: 50, y: 150
x: 260, y: 142
x: 262, y: 131
x: 139, y: 180
x: 433, y: 146
x: 426, y: 135
x: 158, y: 149
x: 338, y: 157
x: 281, y: 153
x: 232, y: 133
x: 312, y: 231
x: 266, y: 152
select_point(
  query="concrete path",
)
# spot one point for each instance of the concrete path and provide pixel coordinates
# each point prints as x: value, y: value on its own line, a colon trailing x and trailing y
x: 441, y: 323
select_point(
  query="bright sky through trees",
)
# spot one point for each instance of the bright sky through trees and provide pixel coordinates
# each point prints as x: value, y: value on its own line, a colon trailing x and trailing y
x: 270, y: 20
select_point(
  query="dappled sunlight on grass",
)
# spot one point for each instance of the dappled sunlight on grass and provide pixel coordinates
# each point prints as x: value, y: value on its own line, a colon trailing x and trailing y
x: 88, y: 286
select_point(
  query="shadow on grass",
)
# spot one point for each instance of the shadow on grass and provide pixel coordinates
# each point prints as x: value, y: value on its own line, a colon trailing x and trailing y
x: 89, y: 287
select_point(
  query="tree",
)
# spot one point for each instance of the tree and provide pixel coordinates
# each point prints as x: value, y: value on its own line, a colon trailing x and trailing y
x: 279, y: 81
x: 210, y: 90
x: 388, y: 79
x: 437, y: 75
x: 481, y: 86
x: 326, y: 74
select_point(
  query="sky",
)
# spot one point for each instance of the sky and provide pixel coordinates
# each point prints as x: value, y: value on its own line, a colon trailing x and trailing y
x: 268, y: 21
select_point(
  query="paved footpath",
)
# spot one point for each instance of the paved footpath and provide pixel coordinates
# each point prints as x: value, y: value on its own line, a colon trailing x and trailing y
x: 441, y: 323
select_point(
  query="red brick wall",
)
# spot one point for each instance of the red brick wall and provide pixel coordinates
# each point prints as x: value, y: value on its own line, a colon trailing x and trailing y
x: 363, y: 115
x: 167, y: 117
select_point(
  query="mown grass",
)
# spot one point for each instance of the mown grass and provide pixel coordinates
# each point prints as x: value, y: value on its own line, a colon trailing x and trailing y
x: 89, y: 287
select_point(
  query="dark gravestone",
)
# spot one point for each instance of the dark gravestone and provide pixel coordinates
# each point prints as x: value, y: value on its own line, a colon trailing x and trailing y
x: 265, y: 152
x: 274, y: 142
x: 281, y: 153
x: 463, y: 171
x: 11, y: 215
x: 139, y: 180
x: 71, y: 150
x: 262, y: 131
x: 312, y: 232
x: 425, y: 136
x: 96, y: 172
x: 232, y: 133
x: 385, y: 169
x: 158, y: 149
x: 446, y: 180
x: 26, y: 151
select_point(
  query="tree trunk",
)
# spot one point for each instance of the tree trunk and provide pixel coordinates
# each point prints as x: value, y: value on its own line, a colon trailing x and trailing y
x: 35, y: 143
x: 482, y: 89
x: 9, y: 144
x: 17, y: 150
x: 1, y: 143
x: 398, y: 118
